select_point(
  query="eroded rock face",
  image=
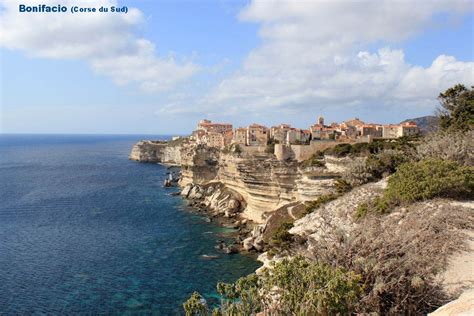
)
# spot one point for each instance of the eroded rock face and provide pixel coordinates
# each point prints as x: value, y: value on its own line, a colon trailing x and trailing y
x: 217, y: 198
x: 199, y: 164
x: 157, y: 152
x: 264, y: 182
x: 147, y: 151
x: 337, y: 214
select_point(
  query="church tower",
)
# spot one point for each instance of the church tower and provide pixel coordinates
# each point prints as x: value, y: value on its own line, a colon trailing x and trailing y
x: 321, y: 120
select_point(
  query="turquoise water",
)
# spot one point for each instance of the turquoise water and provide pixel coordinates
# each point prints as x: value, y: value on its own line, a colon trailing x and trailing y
x: 84, y: 230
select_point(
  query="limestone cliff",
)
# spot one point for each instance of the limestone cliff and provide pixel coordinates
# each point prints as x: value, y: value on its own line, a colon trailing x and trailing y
x: 199, y: 164
x: 264, y: 182
x: 147, y: 151
x: 157, y: 152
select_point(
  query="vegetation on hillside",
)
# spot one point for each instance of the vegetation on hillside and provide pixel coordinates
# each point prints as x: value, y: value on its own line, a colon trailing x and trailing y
x: 292, y: 287
x: 423, y: 180
x: 365, y: 149
x: 320, y: 201
x: 399, y: 257
x: 281, y: 238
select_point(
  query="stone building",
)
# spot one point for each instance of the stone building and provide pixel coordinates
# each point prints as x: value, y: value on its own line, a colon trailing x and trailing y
x: 390, y: 131
x: 322, y: 132
x: 278, y: 133
x: 356, y: 122
x: 213, y: 139
x: 240, y: 136
x: 408, y: 129
x: 373, y: 130
x: 257, y: 135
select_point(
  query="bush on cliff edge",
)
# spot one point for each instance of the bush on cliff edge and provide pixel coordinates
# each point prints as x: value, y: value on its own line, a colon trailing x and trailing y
x: 426, y: 179
x: 430, y: 178
x: 293, y: 287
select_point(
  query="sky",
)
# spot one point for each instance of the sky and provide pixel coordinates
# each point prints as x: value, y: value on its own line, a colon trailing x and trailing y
x: 164, y: 65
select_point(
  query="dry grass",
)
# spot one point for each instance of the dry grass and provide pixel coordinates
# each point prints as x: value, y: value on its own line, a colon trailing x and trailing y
x: 456, y: 146
x: 399, y: 255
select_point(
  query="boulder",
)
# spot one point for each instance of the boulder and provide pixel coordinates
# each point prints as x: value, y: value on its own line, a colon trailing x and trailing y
x: 247, y: 244
x: 186, y: 190
x: 195, y: 192
x: 258, y: 243
x: 230, y: 249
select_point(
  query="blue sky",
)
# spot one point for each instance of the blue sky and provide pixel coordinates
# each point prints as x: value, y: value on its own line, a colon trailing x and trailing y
x: 170, y: 63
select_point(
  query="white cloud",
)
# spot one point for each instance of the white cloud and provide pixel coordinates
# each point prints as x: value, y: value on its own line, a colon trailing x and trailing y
x: 313, y: 53
x: 106, y: 40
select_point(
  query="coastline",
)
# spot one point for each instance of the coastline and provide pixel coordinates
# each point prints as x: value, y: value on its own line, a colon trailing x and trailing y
x: 282, y: 209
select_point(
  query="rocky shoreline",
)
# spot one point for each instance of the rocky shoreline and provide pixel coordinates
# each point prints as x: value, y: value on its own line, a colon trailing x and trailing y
x: 223, y: 207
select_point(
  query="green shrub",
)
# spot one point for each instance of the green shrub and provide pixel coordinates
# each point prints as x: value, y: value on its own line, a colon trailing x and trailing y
x: 292, y: 287
x: 422, y: 180
x: 342, y: 186
x: 382, y: 205
x: 340, y: 150
x: 357, y: 173
x: 385, y: 162
x: 310, y: 288
x: 195, y: 305
x: 281, y: 238
x: 405, y: 144
x: 361, y: 210
x: 427, y: 179
x: 241, y: 297
x: 375, y: 167
x: 453, y: 145
x: 323, y: 199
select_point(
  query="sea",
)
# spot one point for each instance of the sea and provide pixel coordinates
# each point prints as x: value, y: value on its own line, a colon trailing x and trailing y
x: 85, y: 231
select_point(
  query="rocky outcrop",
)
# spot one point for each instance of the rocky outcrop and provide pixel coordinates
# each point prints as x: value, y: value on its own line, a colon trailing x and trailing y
x: 337, y: 215
x: 255, y: 240
x: 147, y: 151
x: 157, y: 152
x: 199, y: 164
x: 216, y: 198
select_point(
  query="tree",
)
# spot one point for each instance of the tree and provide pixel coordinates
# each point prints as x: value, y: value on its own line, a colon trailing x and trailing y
x: 195, y: 305
x: 457, y: 112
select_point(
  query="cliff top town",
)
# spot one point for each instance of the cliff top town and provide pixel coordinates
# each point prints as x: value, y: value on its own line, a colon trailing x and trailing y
x: 221, y: 134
